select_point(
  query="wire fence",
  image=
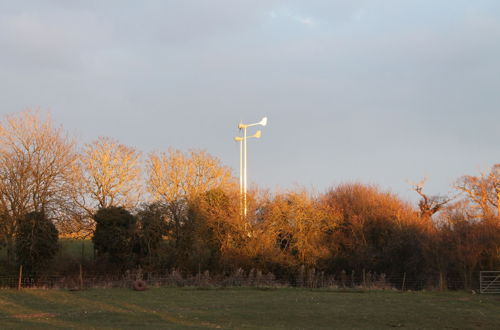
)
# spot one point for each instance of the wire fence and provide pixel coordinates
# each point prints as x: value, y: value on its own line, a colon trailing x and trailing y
x: 306, y: 278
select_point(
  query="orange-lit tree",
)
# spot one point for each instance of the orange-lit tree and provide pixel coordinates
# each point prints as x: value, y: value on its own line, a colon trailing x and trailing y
x: 296, y: 226
x: 108, y: 174
x: 37, y: 161
x: 376, y: 231
x: 481, y: 191
x: 175, y: 177
x: 112, y: 173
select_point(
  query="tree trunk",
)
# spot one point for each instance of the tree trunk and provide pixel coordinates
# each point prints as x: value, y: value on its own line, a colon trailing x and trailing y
x: 442, y: 281
x: 498, y: 203
x: 10, y: 250
x: 466, y: 280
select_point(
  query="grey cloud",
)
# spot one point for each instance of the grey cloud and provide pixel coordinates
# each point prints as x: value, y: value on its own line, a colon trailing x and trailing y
x: 380, y: 91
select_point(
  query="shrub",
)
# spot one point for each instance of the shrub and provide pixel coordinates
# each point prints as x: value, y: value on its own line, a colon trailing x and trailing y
x: 36, y: 241
x: 114, y: 235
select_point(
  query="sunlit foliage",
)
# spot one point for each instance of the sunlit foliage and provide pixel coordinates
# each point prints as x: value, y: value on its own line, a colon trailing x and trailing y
x: 182, y: 210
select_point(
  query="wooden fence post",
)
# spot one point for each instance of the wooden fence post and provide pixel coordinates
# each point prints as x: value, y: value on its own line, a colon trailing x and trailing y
x: 19, y: 280
x: 404, y: 279
x: 81, y: 277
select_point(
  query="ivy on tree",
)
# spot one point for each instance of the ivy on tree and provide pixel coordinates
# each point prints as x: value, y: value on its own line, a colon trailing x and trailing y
x: 36, y: 241
x: 114, y: 235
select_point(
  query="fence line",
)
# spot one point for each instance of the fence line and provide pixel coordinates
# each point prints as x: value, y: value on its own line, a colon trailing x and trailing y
x: 308, y: 278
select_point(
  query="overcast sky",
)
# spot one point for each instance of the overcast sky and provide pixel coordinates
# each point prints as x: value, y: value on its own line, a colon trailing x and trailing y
x: 374, y: 91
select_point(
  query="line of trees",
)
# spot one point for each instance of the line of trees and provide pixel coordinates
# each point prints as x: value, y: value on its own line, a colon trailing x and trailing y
x: 177, y: 209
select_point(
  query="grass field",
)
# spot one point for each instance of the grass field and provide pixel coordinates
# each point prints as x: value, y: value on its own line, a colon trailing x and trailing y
x: 246, y: 308
x: 74, y: 248
x: 69, y: 248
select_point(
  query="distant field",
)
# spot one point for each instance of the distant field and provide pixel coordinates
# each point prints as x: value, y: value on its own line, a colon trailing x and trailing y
x: 72, y: 248
x: 246, y: 308
x: 76, y: 248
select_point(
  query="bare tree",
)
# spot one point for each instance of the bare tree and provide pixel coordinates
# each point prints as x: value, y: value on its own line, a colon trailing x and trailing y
x: 494, y: 177
x: 174, y: 174
x: 429, y: 205
x: 36, y: 166
x: 110, y: 175
x: 174, y: 177
x: 482, y: 190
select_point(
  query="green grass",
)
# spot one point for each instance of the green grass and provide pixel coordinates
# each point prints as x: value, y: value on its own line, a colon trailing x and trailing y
x: 246, y: 308
x: 73, y: 248
x: 69, y: 247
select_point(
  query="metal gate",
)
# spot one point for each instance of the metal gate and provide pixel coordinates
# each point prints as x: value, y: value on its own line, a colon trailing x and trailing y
x: 489, y: 282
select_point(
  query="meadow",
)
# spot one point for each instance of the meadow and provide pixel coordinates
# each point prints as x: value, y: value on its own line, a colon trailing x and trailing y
x: 68, y: 248
x: 280, y: 308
